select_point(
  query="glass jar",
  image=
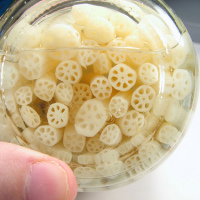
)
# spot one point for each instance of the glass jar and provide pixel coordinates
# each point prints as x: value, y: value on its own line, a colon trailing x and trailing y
x: 106, y: 86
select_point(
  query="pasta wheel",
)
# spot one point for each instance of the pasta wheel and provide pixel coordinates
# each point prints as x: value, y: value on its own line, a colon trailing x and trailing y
x: 94, y: 145
x: 100, y: 30
x: 11, y: 75
x: 111, y: 135
x: 33, y: 65
x: 119, y: 104
x: 69, y: 71
x: 23, y: 95
x: 167, y: 134
x: 143, y: 98
x: 106, y: 156
x: 90, y: 118
x: 123, y: 24
x: 88, y: 56
x: 82, y: 93
x: 72, y: 141
x: 58, y: 115
x: 117, y: 56
x: 48, y: 135
x: 122, y: 77
x: 30, y: 116
x: 138, y: 140
x: 101, y: 87
x: 64, y: 93
x: 182, y: 84
x: 103, y: 64
x: 131, y: 123
x: 148, y: 73
x: 45, y: 88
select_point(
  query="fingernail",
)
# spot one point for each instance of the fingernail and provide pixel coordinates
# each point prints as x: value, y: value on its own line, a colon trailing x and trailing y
x: 46, y: 181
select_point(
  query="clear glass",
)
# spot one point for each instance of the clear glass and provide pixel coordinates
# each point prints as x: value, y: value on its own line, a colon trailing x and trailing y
x: 150, y: 44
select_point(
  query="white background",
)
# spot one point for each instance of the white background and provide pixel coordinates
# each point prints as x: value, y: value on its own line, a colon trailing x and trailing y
x: 178, y: 178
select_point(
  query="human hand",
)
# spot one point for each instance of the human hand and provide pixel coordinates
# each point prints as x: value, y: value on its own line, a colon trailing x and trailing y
x: 29, y: 175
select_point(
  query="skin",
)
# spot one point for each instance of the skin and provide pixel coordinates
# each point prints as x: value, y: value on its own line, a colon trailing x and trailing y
x: 29, y: 175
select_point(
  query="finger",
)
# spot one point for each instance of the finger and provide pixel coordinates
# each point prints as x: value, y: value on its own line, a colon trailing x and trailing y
x: 30, y: 175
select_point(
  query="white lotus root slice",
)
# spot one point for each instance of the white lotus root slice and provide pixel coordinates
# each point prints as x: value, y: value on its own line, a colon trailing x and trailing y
x: 119, y: 104
x: 143, y: 98
x: 60, y: 152
x: 11, y: 75
x: 160, y: 105
x: 85, y: 172
x: 100, y: 30
x: 117, y: 56
x: 30, y: 116
x: 139, y: 58
x: 176, y: 114
x: 18, y: 121
x: 58, y: 115
x: 28, y: 135
x: 48, y: 135
x: 154, y: 31
x: 94, y: 145
x: 33, y: 65
x: 103, y: 64
x: 150, y: 149
x: 88, y: 56
x: 125, y: 147
x: 73, y: 109
x: 69, y: 71
x: 83, y: 13
x: 148, y: 73
x: 182, y: 84
x: 64, y: 93
x: 2, y: 110
x: 100, y: 87
x: 111, y: 169
x: 72, y: 141
x: 138, y: 140
x: 90, y: 118
x: 61, y: 35
x: 122, y: 77
x: 106, y: 156
x: 133, y: 165
x: 62, y: 55
x: 123, y: 24
x: 45, y: 88
x: 10, y: 102
x: 111, y: 135
x: 168, y: 134
x: 174, y: 57
x: 23, y: 95
x: 152, y: 122
x: 151, y: 153
x: 86, y: 159
x: 131, y: 123
x: 82, y: 93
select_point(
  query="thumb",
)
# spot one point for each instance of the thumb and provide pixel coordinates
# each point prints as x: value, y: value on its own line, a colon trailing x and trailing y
x: 30, y: 175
